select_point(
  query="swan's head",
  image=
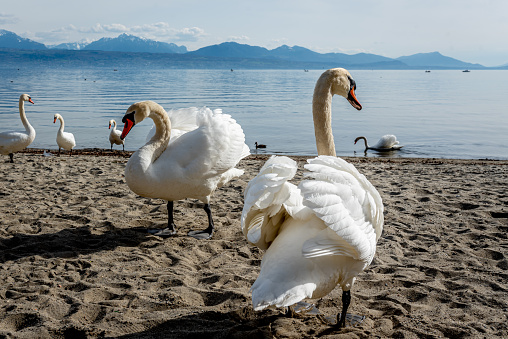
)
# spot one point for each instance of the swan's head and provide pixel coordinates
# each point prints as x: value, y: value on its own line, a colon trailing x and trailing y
x: 134, y: 115
x: 56, y: 117
x: 356, y: 140
x: 111, y: 122
x: 342, y: 83
x: 26, y: 97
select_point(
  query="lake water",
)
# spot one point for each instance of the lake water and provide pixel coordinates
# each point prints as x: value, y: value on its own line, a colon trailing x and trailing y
x: 441, y: 114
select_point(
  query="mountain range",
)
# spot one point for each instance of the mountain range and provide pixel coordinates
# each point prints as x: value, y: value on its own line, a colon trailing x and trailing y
x: 128, y: 49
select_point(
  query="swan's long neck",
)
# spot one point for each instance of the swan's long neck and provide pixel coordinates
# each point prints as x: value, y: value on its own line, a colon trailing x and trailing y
x: 322, y: 114
x: 22, y: 115
x: 114, y: 125
x: 62, y: 125
x: 365, y: 141
x: 153, y: 149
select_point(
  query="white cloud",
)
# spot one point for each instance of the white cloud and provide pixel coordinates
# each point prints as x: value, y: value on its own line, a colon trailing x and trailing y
x: 6, y: 19
x: 98, y: 28
x: 160, y: 31
x: 242, y: 38
x: 190, y: 34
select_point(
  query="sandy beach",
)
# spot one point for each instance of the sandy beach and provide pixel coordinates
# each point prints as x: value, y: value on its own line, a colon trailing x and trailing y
x: 76, y: 261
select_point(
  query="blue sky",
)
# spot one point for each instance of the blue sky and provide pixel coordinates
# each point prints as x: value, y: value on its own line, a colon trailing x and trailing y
x: 470, y: 30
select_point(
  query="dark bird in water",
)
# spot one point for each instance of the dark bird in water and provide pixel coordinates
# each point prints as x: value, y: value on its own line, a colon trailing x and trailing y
x: 259, y: 145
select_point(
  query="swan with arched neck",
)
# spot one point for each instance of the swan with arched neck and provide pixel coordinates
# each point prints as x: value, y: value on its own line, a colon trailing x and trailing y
x: 321, y: 233
x: 192, y: 165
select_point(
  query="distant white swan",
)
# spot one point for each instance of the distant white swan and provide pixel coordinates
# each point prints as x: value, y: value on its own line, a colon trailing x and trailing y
x: 201, y: 158
x: 15, y: 141
x: 64, y: 140
x: 320, y: 233
x: 387, y: 143
x: 114, y: 136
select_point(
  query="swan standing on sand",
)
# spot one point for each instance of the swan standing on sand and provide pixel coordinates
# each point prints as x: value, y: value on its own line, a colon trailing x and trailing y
x: 387, y: 143
x: 14, y: 141
x: 320, y: 233
x: 192, y: 165
x: 114, y: 136
x: 64, y: 140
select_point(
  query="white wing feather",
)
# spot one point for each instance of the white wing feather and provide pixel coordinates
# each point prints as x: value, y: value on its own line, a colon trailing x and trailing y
x: 268, y: 198
x: 347, y: 203
x: 388, y: 141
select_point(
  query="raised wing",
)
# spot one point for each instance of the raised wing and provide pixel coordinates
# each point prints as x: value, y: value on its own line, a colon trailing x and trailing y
x: 182, y: 121
x: 268, y: 200
x: 215, y: 146
x: 348, y: 204
x: 387, y: 141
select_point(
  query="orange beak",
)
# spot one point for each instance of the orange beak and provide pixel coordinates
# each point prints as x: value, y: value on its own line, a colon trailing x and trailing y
x: 352, y: 99
x: 30, y: 100
x: 126, y: 128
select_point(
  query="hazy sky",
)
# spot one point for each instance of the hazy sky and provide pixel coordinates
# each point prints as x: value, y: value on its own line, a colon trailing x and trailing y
x: 470, y: 30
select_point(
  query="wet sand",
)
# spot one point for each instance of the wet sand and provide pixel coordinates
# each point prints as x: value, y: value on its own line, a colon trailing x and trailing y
x: 76, y: 261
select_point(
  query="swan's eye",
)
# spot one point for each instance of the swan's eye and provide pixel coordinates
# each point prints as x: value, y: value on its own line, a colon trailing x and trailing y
x: 129, y: 116
x: 352, y: 83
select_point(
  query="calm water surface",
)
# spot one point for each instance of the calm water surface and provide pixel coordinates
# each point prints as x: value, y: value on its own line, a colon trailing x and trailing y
x: 441, y: 114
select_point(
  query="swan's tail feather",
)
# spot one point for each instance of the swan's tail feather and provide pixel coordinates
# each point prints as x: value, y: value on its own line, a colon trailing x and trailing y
x: 229, y: 175
x: 226, y: 139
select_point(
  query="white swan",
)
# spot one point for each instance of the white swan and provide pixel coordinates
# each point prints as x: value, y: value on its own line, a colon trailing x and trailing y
x: 114, y: 136
x: 387, y: 143
x: 191, y: 165
x: 64, y: 140
x: 14, y: 141
x: 320, y: 233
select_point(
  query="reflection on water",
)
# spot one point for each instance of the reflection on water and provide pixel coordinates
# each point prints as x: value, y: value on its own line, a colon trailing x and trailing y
x: 442, y: 114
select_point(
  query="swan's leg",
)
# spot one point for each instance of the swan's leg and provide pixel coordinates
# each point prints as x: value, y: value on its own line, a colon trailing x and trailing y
x: 208, y: 233
x: 11, y: 155
x: 59, y: 151
x: 346, y: 300
x: 339, y: 321
x: 168, y: 231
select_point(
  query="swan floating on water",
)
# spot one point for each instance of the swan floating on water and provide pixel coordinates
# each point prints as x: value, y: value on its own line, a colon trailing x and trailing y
x: 387, y: 143
x: 64, y: 140
x: 114, y: 136
x: 192, y: 164
x: 320, y: 233
x: 259, y: 145
x: 15, y: 141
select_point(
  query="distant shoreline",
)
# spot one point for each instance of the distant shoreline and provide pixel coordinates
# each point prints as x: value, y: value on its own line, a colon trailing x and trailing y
x: 13, y: 58
x: 265, y: 156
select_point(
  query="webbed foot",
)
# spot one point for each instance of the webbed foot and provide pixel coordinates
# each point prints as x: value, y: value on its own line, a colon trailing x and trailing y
x: 163, y: 233
x: 201, y: 235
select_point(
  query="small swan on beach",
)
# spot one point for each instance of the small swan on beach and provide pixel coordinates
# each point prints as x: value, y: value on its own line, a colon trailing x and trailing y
x: 320, y: 233
x: 64, y: 140
x: 387, y: 143
x: 15, y: 141
x: 114, y: 136
x: 192, y: 164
